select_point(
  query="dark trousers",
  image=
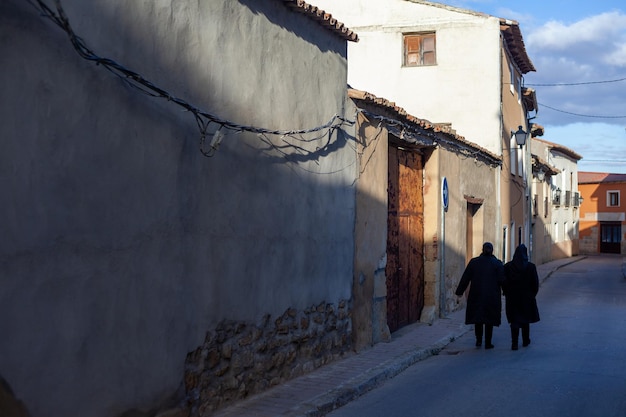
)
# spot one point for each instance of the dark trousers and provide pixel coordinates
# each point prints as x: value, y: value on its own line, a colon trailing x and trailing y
x: 478, y: 330
x: 515, y: 327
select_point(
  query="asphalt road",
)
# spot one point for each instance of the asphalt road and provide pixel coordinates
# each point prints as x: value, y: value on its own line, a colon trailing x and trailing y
x: 575, y: 365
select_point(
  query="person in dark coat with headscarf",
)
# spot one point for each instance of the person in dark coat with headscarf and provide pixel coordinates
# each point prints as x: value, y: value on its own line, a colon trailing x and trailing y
x: 521, y: 285
x: 484, y: 301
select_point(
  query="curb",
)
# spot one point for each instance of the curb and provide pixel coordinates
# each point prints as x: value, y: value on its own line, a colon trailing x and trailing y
x: 362, y: 384
x: 376, y: 376
x: 580, y: 258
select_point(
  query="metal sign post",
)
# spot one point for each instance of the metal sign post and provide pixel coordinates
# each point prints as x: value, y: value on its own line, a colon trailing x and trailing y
x: 445, y: 199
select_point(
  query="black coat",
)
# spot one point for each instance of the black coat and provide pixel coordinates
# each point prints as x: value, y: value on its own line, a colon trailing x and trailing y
x: 521, y: 285
x: 484, y: 302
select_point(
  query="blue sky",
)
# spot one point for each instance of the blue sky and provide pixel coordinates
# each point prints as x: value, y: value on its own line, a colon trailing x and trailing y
x: 574, y: 42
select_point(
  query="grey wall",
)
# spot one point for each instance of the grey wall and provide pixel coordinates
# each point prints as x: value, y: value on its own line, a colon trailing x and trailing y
x: 120, y: 243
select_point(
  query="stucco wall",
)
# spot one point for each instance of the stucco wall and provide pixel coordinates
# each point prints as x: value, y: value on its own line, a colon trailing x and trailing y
x: 466, y: 178
x: 565, y: 235
x: 370, y: 290
x: 376, y: 63
x: 122, y: 245
x: 516, y: 163
x: 595, y: 210
x: 541, y: 248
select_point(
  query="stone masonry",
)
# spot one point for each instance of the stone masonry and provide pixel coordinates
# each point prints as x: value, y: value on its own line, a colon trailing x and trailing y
x: 238, y: 359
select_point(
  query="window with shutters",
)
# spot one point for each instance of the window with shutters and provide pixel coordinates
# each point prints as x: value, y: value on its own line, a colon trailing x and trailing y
x: 419, y: 49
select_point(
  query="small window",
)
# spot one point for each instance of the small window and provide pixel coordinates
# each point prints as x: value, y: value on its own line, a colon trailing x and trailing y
x: 419, y: 50
x: 612, y: 198
x: 516, y: 82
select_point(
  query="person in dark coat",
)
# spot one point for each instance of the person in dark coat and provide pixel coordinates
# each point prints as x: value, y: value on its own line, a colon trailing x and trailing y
x: 484, y: 301
x: 521, y: 285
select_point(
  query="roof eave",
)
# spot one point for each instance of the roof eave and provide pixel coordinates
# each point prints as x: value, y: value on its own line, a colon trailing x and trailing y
x: 515, y: 44
x: 323, y: 18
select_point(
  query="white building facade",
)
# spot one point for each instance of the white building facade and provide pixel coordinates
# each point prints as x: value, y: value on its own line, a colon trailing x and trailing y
x: 451, y: 66
x: 563, y: 199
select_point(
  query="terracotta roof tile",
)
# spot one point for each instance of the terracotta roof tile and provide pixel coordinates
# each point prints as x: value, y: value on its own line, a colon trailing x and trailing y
x: 515, y: 43
x: 402, y: 114
x: 560, y: 148
x: 323, y: 18
x: 539, y: 163
x: 598, y: 177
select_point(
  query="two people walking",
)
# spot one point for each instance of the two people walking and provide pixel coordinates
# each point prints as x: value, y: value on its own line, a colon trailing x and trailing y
x: 487, y: 279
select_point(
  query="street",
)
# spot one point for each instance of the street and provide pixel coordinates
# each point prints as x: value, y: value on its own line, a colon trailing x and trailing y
x: 574, y: 366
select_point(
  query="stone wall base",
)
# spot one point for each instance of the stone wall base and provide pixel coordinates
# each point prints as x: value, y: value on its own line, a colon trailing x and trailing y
x: 238, y: 359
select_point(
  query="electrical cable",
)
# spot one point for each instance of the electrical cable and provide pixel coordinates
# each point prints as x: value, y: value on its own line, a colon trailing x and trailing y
x: 203, y: 118
x: 580, y: 83
x: 581, y: 115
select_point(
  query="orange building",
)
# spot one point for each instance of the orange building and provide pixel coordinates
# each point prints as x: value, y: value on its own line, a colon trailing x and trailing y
x: 602, y: 212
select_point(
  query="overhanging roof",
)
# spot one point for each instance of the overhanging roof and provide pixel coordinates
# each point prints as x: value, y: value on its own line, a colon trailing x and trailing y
x: 599, y: 177
x: 452, y: 141
x: 560, y: 148
x: 515, y: 43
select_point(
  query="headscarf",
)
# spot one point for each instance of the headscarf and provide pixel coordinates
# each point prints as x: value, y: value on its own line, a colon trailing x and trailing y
x: 520, y: 258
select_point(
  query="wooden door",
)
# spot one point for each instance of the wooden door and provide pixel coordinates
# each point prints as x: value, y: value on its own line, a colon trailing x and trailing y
x: 405, y: 240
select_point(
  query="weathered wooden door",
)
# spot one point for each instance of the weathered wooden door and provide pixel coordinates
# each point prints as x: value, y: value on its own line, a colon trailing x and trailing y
x: 405, y: 239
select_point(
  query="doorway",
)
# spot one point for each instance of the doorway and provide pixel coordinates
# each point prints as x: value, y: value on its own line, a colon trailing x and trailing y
x: 610, y: 237
x: 405, y: 238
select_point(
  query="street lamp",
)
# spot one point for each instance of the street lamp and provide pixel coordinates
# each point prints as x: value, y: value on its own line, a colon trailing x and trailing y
x: 541, y: 174
x: 520, y: 136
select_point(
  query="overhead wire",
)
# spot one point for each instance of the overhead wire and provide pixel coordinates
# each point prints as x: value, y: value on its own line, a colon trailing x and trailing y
x: 581, y: 115
x: 577, y: 84
x: 203, y: 118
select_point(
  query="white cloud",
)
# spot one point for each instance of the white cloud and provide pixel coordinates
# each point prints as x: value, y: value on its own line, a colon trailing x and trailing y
x: 513, y: 15
x: 587, y: 52
x: 596, y: 30
x: 601, y: 145
x: 618, y: 56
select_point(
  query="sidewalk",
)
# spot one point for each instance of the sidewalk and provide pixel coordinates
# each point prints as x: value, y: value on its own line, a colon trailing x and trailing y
x: 338, y: 383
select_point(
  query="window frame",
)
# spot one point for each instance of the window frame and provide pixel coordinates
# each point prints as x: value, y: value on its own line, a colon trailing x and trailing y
x: 609, y: 195
x: 420, y: 36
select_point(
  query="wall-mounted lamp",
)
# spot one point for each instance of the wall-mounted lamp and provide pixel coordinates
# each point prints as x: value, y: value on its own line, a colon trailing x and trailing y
x: 520, y: 136
x: 541, y: 174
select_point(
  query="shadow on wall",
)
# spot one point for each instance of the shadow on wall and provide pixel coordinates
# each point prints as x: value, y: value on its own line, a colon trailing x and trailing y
x: 295, y: 26
x: 129, y: 247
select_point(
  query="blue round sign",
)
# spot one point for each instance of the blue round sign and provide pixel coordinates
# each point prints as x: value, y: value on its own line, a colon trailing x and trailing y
x: 445, y: 195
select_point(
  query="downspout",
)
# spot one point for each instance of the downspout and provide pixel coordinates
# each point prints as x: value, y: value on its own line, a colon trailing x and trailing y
x: 499, y: 240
